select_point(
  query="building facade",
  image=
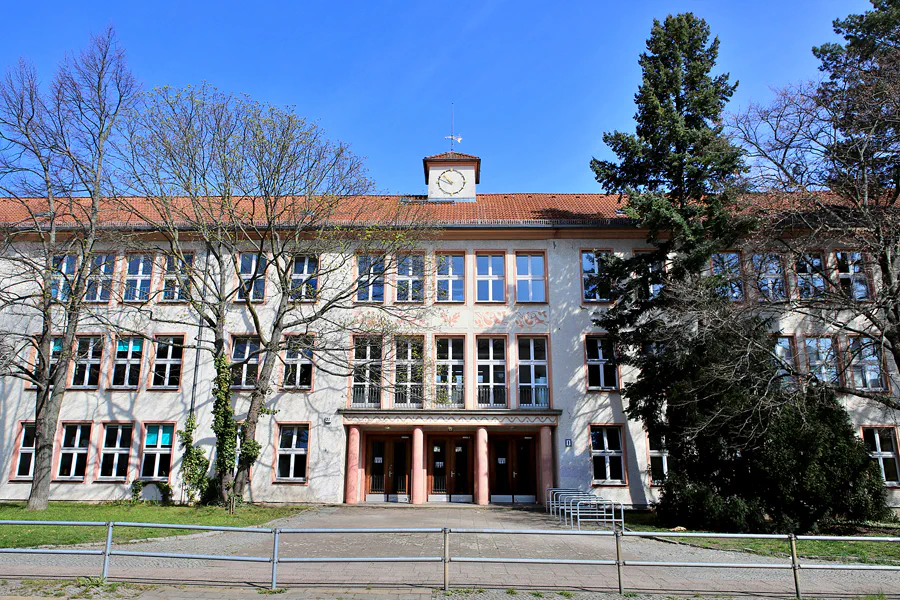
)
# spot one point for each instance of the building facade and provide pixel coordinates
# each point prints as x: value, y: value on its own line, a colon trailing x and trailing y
x: 503, y: 388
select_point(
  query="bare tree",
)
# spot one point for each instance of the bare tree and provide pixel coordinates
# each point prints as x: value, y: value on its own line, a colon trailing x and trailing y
x: 54, y: 163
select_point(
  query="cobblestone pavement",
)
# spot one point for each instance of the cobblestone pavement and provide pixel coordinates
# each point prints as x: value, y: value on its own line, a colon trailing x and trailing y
x: 416, y: 580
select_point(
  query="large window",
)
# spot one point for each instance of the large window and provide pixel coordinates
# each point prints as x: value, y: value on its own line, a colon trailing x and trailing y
x: 822, y: 360
x: 852, y: 274
x: 127, y: 364
x: 116, y: 451
x: 534, y: 383
x: 531, y: 278
x: 491, y: 366
x: 607, y: 455
x: 157, y: 454
x: 596, y: 287
x: 367, y: 369
x: 490, y: 278
x: 88, y: 356
x: 602, y: 373
x: 168, y: 361
x: 293, y: 441
x: 451, y: 277
x: 25, y: 462
x: 810, y: 276
x: 866, y: 364
x: 138, y: 277
x: 63, y: 272
x: 882, y: 445
x: 304, y: 278
x: 252, y: 271
x: 100, y: 278
x: 659, y: 458
x: 245, y: 361
x: 769, y: 271
x: 409, y: 372
x: 450, y: 371
x: 370, y: 285
x: 176, y: 280
x: 411, y: 278
x: 727, y: 266
x: 298, y: 365
x: 73, y: 454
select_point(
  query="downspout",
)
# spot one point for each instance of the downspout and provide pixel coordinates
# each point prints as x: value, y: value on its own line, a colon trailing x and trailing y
x: 198, y: 338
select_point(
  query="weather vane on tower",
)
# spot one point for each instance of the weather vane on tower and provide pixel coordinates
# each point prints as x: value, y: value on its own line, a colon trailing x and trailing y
x: 452, y: 137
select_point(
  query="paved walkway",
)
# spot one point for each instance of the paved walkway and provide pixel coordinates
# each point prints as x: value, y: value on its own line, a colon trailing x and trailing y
x: 414, y: 579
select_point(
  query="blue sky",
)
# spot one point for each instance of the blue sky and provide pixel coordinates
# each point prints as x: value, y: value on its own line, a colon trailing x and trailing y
x: 535, y: 84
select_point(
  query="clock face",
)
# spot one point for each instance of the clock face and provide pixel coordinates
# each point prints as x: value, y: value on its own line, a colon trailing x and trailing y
x: 451, y: 182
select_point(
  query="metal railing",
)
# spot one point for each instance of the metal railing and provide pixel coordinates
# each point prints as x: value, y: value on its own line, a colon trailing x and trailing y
x: 445, y: 558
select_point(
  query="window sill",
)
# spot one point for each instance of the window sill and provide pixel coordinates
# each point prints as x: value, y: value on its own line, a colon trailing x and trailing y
x: 532, y: 302
x: 21, y: 479
x: 164, y: 389
x: 609, y: 484
x: 68, y: 480
x: 153, y: 479
x: 491, y: 302
x: 597, y: 390
x: 422, y: 302
x: 123, y: 388
x: 76, y: 388
x: 111, y: 480
x: 295, y: 390
x: 291, y: 481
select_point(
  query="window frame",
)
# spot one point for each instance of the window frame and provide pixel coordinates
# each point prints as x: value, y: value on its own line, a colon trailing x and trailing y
x: 372, y: 277
x: 450, y: 277
x: 144, y: 258
x: 118, y: 451
x: 601, y: 363
x: 862, y: 275
x: 300, y: 360
x: 531, y: 278
x: 178, y: 276
x: 490, y: 277
x: 881, y: 454
x: 409, y: 365
x: 533, y: 363
x: 300, y: 282
x: 256, y: 278
x: 296, y: 425
x: 661, y: 453
x: 787, y: 378
x: 61, y: 278
x: 158, y: 450
x: 608, y: 453
x: 100, y: 280
x: 371, y: 341
x: 595, y: 252
x: 130, y: 362
x: 768, y: 277
x: 835, y: 355
x: 853, y: 362
x: 410, y: 277
x: 731, y: 277
x: 75, y: 451
x: 245, y: 363
x: 449, y: 363
x: 168, y: 361
x: 21, y: 450
x: 811, y: 274
x: 92, y: 362
x: 493, y: 364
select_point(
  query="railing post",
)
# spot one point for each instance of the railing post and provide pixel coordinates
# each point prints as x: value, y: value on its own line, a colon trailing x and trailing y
x: 446, y: 561
x: 619, y: 558
x: 795, y: 564
x: 275, y: 559
x: 106, y: 549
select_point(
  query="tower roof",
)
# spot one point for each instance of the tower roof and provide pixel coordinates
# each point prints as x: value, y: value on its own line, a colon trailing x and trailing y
x: 453, y: 157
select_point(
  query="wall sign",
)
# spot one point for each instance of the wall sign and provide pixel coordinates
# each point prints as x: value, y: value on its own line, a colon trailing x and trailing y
x: 568, y: 443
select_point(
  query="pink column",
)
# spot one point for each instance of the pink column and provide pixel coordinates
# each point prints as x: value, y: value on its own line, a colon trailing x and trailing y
x: 351, y: 488
x: 418, y: 467
x: 481, y: 467
x: 546, y: 462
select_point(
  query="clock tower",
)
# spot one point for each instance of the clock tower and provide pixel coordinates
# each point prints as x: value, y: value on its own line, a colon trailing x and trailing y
x: 451, y: 176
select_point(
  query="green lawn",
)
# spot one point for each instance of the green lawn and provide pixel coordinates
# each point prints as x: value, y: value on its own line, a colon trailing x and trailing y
x: 870, y: 552
x: 13, y: 536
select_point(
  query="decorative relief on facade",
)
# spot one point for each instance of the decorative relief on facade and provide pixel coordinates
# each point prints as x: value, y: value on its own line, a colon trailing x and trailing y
x: 492, y: 318
x: 459, y: 420
x: 450, y: 318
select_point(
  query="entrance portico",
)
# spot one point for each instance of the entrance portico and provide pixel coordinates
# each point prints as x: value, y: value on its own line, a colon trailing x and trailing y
x: 480, y: 456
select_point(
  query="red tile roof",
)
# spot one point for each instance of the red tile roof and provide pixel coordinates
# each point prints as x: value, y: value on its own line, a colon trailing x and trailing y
x: 452, y: 155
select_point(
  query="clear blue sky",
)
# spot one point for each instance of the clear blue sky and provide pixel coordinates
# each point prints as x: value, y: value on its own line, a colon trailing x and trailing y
x: 535, y: 84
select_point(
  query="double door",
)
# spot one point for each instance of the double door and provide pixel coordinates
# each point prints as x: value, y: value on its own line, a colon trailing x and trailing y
x: 387, y: 473
x: 512, y: 469
x: 450, y: 469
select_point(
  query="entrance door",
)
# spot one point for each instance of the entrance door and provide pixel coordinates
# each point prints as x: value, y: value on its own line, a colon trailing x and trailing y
x: 387, y: 470
x: 512, y: 469
x: 450, y: 470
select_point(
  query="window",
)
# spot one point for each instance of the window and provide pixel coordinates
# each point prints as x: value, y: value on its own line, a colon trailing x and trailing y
x: 534, y: 389
x: 292, y: 445
x: 866, y: 364
x: 252, y: 271
x: 127, y: 365
x: 491, y: 366
x: 157, y: 458
x: 882, y: 446
x: 304, y: 278
x: 655, y: 273
x: 74, y: 452
x: 769, y: 272
x: 531, y: 280
x: 176, y: 280
x: 25, y: 464
x: 727, y: 266
x: 607, y: 455
x: 371, y: 278
x: 852, y: 274
x: 409, y: 374
x: 784, y: 351
x: 167, y: 364
x: 88, y: 355
x: 490, y: 278
x: 822, y: 359
x: 298, y: 364
x: 116, y: 451
x: 451, y: 277
x: 810, y: 276
x: 411, y: 278
x: 63, y: 272
x: 596, y: 287
x: 56, y: 345
x: 245, y: 362
x: 367, y: 371
x: 99, y: 283
x: 601, y: 364
x: 138, y: 276
x: 450, y: 371
x: 659, y: 458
